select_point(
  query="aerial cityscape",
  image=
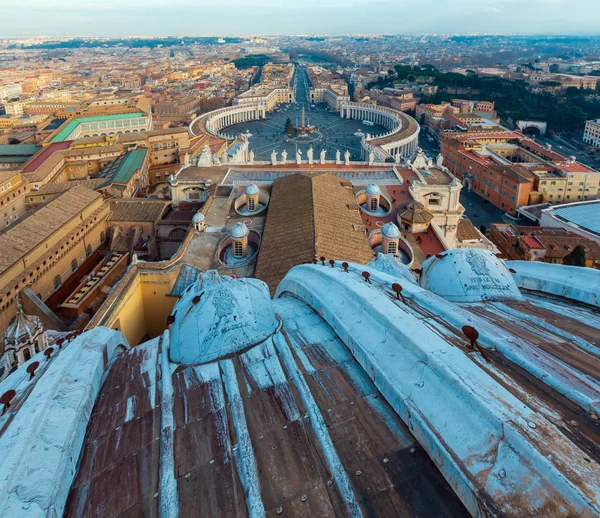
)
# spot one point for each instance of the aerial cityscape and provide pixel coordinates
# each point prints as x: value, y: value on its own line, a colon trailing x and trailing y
x: 300, y: 260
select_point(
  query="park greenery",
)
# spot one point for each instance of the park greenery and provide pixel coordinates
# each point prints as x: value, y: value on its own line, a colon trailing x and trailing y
x: 289, y: 127
x: 252, y: 60
x: 514, y: 99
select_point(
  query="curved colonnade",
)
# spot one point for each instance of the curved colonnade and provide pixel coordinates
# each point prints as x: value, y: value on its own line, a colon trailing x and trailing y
x: 212, y: 123
x: 401, y: 140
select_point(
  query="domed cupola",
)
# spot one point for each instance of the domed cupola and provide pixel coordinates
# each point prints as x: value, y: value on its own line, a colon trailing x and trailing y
x: 252, y: 201
x: 239, y: 237
x: 24, y: 337
x: 373, y: 197
x: 220, y: 316
x: 469, y: 275
x: 252, y: 192
x: 390, y: 237
x: 199, y: 221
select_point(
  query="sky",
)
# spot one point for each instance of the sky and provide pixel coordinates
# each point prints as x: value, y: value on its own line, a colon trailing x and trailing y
x: 234, y: 17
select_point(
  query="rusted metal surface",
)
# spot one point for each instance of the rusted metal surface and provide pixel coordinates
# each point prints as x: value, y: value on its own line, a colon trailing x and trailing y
x: 572, y: 420
x: 551, y: 342
x: 118, y: 466
x: 389, y: 473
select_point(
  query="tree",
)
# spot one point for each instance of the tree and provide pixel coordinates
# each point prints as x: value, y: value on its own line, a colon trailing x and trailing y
x: 289, y: 128
x: 576, y: 257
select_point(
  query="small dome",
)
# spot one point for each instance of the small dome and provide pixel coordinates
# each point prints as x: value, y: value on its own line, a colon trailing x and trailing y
x: 238, y: 231
x: 469, y: 275
x: 22, y: 327
x: 198, y: 217
x: 220, y: 316
x: 373, y: 190
x: 251, y: 189
x: 417, y: 213
x: 390, y: 231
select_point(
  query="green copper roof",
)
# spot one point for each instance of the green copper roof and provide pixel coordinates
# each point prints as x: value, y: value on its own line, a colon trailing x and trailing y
x: 64, y: 133
x: 122, y: 169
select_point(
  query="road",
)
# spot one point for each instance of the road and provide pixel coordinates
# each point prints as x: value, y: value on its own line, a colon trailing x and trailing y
x: 430, y: 148
x: 482, y: 212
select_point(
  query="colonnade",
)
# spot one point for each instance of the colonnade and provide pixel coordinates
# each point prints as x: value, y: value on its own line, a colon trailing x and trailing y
x: 400, y: 148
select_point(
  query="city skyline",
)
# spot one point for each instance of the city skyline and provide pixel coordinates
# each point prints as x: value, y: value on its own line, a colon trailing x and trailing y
x: 233, y: 17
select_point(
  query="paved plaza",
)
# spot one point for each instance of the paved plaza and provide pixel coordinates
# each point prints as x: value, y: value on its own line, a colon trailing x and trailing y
x: 333, y: 133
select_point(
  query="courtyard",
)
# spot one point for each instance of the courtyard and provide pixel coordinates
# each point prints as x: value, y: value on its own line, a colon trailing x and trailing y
x: 332, y: 132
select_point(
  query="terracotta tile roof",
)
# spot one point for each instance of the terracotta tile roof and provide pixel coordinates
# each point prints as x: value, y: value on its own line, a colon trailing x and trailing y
x: 308, y: 217
x: 466, y: 231
x: 417, y: 213
x: 58, y: 187
x: 20, y: 239
x: 137, y: 210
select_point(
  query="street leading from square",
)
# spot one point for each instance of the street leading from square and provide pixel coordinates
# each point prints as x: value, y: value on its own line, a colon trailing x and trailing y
x: 332, y: 132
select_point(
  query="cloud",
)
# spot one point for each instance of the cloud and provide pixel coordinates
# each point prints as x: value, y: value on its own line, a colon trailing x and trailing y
x: 491, y: 9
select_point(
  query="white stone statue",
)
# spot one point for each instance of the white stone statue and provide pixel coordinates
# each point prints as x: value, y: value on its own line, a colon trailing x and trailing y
x: 347, y: 157
x: 284, y: 156
x: 186, y: 160
x: 205, y: 158
x: 298, y: 156
x: 323, y: 153
x: 273, y: 157
x: 251, y: 157
x: 338, y: 155
x: 420, y: 161
x: 371, y: 157
x: 310, y: 154
x: 439, y: 160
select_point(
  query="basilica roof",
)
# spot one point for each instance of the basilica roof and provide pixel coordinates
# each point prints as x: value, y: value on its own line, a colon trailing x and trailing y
x: 355, y: 391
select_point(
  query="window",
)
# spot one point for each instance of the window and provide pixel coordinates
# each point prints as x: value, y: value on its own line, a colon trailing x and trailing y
x: 434, y: 201
x: 374, y: 204
x: 88, y: 250
x: 102, y: 236
x: 238, y: 249
x: 392, y: 247
x: 252, y: 204
x: 74, y: 265
x: 57, y: 282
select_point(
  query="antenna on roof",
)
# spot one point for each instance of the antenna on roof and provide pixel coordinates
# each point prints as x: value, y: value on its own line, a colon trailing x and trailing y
x: 48, y: 353
x: 6, y: 398
x: 398, y: 290
x: 472, y: 334
x: 31, y: 369
x: 171, y: 319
